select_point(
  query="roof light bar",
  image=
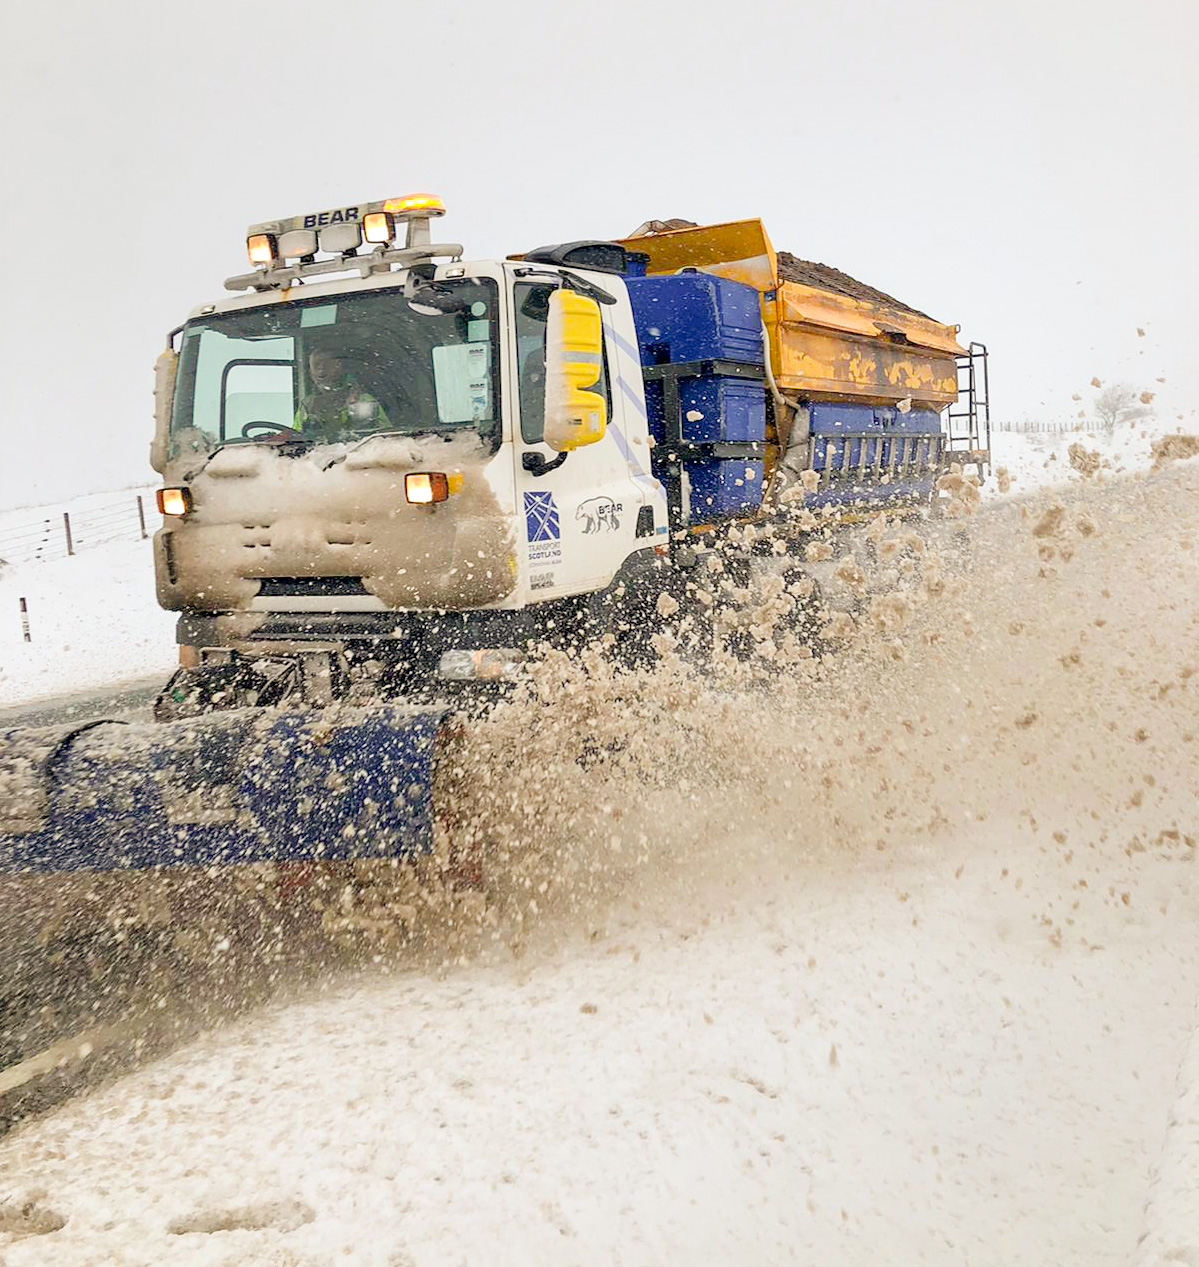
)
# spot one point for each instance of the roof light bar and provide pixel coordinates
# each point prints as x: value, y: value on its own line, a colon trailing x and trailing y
x: 278, y: 248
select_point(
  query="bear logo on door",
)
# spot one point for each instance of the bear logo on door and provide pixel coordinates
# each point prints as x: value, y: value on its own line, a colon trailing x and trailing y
x: 599, y: 514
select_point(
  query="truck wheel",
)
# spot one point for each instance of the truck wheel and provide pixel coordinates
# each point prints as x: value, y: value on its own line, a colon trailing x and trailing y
x: 627, y: 616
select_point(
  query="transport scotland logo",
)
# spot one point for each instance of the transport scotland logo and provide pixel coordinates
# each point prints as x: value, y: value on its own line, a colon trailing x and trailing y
x: 544, y: 533
x: 541, y: 516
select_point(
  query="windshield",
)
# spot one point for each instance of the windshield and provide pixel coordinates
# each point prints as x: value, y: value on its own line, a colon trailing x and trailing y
x: 341, y: 367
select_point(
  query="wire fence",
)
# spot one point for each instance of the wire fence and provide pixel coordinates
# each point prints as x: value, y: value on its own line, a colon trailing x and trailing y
x: 35, y: 540
x: 1027, y: 426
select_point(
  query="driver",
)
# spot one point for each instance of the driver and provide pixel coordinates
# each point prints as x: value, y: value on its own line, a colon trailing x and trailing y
x: 336, y: 403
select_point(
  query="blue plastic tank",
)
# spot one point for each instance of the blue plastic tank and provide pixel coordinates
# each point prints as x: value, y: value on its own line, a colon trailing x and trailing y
x: 693, y: 317
x: 728, y: 487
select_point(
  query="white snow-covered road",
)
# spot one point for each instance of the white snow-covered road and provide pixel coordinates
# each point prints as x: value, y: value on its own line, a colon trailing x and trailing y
x: 888, y: 1066
x: 926, y: 1005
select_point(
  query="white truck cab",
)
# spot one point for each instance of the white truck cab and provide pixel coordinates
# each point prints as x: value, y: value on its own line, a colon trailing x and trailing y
x: 356, y: 445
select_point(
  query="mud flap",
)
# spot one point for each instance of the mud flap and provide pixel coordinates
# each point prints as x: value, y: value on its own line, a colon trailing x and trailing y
x: 238, y: 787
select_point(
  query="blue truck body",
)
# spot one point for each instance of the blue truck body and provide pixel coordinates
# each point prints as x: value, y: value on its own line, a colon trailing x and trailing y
x: 705, y: 332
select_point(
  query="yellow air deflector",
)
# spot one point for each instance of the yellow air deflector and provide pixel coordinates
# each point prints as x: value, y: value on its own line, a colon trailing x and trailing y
x: 740, y: 251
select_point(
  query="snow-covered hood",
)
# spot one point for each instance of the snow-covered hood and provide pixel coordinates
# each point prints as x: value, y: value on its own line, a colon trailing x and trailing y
x: 339, y: 510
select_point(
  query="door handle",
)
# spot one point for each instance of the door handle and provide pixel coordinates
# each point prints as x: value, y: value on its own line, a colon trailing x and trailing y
x: 538, y: 465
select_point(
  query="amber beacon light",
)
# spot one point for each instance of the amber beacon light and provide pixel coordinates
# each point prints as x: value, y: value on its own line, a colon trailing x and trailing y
x: 415, y: 204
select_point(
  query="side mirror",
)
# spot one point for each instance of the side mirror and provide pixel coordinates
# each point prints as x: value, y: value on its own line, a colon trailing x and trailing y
x: 574, y: 345
x: 165, y: 369
x: 428, y: 298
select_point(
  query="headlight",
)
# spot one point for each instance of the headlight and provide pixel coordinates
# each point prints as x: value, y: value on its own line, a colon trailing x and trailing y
x: 424, y: 487
x: 174, y: 501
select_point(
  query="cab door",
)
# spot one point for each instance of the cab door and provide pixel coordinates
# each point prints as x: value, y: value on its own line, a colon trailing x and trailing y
x: 579, y: 509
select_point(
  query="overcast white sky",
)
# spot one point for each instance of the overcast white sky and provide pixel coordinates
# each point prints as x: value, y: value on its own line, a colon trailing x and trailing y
x: 1026, y: 169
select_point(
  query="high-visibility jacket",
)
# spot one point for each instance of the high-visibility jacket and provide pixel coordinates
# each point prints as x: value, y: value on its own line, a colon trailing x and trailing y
x: 327, y: 412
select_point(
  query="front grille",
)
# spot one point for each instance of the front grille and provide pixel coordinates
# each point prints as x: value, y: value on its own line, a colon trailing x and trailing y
x: 311, y: 587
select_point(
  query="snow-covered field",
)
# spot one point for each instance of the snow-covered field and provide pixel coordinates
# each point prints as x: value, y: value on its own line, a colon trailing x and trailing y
x: 902, y: 978
x: 1042, y: 460
x: 93, y: 618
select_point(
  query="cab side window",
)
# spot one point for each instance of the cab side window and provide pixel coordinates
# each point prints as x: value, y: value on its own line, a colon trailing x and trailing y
x: 532, y: 313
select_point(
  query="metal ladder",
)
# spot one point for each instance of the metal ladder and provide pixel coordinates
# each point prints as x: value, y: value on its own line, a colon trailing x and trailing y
x: 968, y: 423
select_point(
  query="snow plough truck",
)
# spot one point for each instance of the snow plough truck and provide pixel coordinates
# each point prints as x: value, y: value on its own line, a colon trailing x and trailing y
x: 388, y: 471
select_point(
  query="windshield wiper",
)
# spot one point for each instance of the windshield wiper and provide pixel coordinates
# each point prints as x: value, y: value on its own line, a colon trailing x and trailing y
x: 289, y: 442
x: 446, y: 431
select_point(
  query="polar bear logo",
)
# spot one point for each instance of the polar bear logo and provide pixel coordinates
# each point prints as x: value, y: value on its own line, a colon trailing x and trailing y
x: 599, y: 514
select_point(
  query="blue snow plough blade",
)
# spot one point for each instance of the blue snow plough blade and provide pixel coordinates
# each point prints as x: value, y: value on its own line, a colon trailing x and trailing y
x: 228, y: 788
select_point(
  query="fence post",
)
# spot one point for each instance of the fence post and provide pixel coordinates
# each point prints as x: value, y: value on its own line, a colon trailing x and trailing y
x: 25, y: 621
x: 66, y: 523
x: 141, y: 516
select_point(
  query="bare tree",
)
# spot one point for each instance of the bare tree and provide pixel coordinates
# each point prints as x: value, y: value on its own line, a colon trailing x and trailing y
x: 1119, y: 403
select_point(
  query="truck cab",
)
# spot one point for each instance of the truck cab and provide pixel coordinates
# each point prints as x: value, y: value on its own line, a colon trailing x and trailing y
x: 383, y: 453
